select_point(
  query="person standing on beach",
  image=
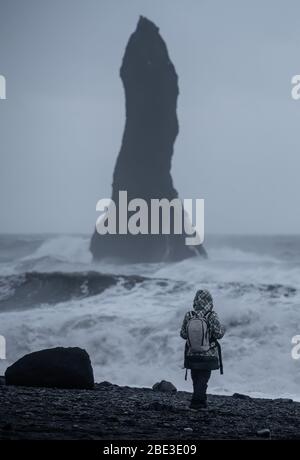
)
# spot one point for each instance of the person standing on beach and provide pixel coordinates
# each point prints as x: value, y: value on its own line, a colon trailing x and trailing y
x: 201, y: 329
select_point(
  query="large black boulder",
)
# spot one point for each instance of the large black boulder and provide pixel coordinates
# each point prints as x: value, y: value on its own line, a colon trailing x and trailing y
x: 53, y: 368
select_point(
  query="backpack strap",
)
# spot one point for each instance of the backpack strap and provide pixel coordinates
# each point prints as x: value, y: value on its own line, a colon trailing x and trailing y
x: 220, y: 357
x: 186, y: 374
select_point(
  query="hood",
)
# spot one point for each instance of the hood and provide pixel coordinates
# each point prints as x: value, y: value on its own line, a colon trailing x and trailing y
x: 203, y: 301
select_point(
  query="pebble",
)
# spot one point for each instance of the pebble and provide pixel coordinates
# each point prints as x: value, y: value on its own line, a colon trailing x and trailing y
x: 240, y: 396
x: 264, y: 433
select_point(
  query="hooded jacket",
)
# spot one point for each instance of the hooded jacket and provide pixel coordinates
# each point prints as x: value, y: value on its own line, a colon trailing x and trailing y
x: 203, y: 305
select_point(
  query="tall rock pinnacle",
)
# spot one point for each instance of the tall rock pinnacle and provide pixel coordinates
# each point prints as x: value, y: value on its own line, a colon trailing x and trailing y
x: 144, y: 162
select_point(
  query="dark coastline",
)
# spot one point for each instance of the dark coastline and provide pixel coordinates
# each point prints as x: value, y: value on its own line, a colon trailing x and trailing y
x: 111, y: 412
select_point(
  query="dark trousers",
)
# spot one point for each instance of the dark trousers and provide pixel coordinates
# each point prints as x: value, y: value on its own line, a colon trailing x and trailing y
x: 200, y: 379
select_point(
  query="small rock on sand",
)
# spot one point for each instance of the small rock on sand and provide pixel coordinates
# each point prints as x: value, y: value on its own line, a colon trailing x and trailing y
x: 164, y: 386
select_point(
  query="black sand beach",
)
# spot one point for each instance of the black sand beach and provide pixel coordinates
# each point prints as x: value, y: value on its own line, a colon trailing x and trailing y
x: 111, y: 412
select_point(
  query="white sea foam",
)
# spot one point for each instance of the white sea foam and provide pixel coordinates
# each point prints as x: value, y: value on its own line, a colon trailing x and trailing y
x: 132, y: 335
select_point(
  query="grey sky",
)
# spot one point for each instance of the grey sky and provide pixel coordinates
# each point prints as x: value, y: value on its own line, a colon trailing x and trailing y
x: 62, y: 122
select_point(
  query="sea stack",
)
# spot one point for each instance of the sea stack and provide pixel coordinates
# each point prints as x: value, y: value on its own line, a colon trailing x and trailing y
x: 144, y: 162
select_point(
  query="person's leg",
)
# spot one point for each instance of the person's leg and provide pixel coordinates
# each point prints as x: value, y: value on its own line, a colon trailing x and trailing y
x: 200, y: 379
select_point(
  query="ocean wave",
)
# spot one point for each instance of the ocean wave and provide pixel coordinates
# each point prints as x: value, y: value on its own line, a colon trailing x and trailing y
x: 230, y: 254
x: 64, y: 247
x: 30, y: 289
x: 132, y: 336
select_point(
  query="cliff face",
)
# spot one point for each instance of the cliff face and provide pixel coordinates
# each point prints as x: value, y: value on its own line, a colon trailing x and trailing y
x: 144, y: 162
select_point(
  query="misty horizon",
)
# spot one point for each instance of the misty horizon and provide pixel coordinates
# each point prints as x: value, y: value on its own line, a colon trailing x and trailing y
x: 63, y: 119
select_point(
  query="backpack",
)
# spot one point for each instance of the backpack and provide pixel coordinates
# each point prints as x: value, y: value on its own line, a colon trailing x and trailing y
x: 198, y: 335
x: 196, y: 355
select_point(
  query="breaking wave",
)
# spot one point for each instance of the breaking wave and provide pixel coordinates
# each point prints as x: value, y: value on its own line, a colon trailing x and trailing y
x: 31, y: 289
